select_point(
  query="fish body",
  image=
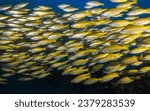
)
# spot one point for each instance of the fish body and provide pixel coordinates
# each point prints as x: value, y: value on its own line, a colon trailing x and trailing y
x: 119, y: 1
x: 108, y: 77
x: 80, y: 78
x: 125, y: 80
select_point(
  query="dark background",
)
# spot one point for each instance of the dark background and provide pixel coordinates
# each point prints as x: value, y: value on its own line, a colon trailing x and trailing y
x: 58, y: 84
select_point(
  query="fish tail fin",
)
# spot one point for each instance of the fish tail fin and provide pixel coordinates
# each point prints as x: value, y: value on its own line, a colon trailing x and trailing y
x: 135, y: 1
x: 148, y: 11
x: 89, y: 13
x: 141, y: 57
x: 120, y: 73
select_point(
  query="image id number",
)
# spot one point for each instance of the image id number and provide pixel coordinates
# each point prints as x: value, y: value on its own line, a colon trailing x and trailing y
x: 106, y: 103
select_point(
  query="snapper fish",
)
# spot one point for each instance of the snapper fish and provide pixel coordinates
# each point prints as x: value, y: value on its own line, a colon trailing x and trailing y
x: 92, y: 46
x: 119, y: 1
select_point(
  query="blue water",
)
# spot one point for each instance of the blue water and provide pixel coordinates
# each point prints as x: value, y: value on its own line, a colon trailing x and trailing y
x: 50, y: 85
x: 76, y: 3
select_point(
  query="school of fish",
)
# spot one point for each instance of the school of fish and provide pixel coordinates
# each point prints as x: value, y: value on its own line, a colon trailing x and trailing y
x: 92, y: 46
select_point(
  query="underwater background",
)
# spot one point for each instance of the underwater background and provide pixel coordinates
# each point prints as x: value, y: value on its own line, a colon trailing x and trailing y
x: 58, y: 84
